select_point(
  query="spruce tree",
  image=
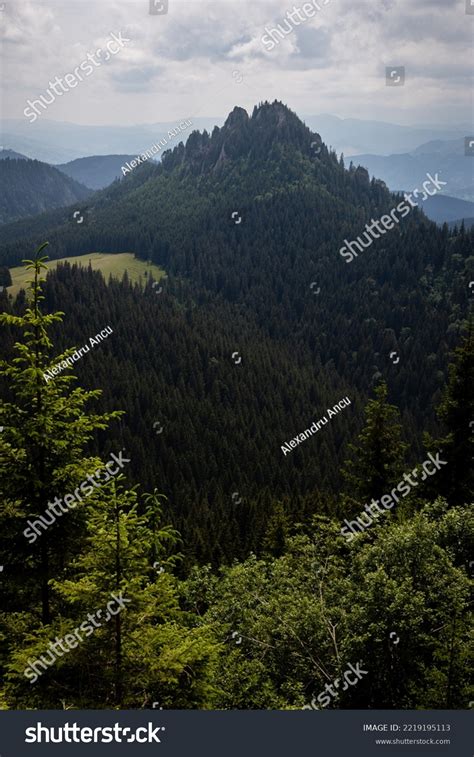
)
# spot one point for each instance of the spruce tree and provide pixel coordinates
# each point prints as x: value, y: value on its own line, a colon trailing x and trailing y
x: 45, y: 430
x: 377, y: 462
x: 142, y: 649
x: 104, y: 551
x: 276, y: 533
x: 455, y: 480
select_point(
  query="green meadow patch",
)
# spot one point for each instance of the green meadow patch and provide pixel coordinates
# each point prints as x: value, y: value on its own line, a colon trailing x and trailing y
x: 109, y: 265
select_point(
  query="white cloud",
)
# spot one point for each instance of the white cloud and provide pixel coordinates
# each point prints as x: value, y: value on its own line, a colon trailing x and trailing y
x: 182, y: 63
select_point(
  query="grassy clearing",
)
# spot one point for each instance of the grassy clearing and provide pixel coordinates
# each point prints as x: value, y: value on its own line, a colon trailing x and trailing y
x: 109, y: 264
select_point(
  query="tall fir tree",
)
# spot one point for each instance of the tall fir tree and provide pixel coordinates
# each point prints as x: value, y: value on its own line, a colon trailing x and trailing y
x: 140, y: 649
x: 45, y: 430
x: 377, y: 461
x: 103, y: 551
x: 455, y: 481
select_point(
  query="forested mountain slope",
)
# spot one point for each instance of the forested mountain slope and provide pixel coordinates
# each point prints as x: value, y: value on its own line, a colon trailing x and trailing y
x: 248, y: 222
x: 28, y: 187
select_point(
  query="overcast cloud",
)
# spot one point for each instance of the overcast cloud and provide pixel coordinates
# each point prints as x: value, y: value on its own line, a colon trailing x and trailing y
x: 203, y: 57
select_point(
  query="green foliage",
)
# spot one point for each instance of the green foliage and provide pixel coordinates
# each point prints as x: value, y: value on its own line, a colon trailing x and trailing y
x: 456, y: 413
x: 45, y: 431
x: 395, y: 601
x: 378, y: 457
x: 246, y: 288
x: 5, y: 277
x: 149, y: 652
x: 269, y: 603
x: 29, y: 186
x: 110, y: 545
x: 109, y: 265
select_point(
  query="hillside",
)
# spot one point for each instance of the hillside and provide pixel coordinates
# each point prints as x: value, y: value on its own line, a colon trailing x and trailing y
x: 408, y: 170
x: 109, y: 265
x: 248, y: 222
x: 28, y: 187
x: 12, y: 154
x: 445, y: 209
x: 96, y: 171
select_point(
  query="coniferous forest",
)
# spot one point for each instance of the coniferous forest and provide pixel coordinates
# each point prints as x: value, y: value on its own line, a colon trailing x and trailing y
x: 243, y: 583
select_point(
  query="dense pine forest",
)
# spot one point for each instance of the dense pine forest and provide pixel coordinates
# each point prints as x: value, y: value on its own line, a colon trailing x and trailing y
x: 29, y: 186
x: 242, y: 591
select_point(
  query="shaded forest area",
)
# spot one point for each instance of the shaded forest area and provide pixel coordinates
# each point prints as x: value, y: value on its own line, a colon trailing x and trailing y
x: 243, y: 592
x: 268, y: 632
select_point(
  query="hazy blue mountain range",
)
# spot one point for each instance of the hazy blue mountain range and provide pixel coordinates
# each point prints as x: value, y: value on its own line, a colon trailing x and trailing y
x: 58, y: 142
x: 442, y: 208
x: 12, y: 154
x: 354, y: 136
x: 408, y: 170
x: 401, y: 171
x: 96, y: 171
x: 99, y: 171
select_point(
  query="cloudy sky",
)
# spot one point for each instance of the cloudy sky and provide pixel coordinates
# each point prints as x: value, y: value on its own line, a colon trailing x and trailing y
x: 203, y: 57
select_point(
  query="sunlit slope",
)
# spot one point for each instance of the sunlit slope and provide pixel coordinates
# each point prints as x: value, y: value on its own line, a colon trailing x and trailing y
x: 108, y: 264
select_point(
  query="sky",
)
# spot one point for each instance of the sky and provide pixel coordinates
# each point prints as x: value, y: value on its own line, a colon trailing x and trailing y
x: 201, y: 58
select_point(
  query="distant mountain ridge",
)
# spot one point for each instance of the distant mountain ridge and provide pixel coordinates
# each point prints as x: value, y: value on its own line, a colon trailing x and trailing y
x: 408, y: 170
x: 444, y: 209
x: 262, y: 141
x: 57, y: 142
x: 5, y: 153
x: 96, y: 171
x: 354, y: 136
x: 29, y: 187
